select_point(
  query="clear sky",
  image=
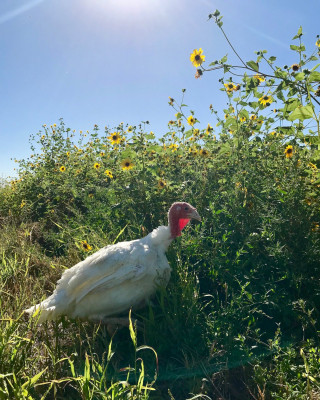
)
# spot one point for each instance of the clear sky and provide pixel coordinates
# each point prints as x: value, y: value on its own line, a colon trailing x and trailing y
x: 110, y: 61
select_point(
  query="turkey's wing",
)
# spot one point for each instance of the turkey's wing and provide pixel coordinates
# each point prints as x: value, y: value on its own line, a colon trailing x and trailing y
x: 107, y: 268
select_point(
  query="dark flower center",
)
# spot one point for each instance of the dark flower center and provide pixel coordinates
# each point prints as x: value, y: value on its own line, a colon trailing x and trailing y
x: 127, y: 164
x: 197, y: 57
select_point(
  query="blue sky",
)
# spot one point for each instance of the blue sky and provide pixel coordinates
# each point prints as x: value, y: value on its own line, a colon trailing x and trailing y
x: 110, y: 61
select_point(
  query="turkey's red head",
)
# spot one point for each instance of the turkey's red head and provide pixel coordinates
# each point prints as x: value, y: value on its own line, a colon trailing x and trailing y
x: 179, y: 215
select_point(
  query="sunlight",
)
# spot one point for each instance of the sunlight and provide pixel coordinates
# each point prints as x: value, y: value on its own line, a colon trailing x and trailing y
x: 128, y: 8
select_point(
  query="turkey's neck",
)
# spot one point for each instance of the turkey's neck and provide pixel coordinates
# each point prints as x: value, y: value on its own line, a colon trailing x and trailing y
x: 176, y: 225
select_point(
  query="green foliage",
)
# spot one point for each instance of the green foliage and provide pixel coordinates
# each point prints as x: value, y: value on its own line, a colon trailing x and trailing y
x: 243, y: 301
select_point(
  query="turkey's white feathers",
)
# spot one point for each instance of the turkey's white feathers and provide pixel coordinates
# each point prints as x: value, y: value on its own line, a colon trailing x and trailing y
x: 111, y: 280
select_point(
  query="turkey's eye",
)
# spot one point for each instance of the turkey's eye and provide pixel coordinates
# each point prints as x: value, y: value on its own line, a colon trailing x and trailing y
x: 186, y: 208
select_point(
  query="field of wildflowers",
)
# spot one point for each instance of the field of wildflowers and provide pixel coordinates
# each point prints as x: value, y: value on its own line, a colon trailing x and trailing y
x: 240, y: 317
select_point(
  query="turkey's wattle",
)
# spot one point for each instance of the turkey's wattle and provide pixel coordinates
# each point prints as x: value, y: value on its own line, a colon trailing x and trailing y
x: 117, y: 277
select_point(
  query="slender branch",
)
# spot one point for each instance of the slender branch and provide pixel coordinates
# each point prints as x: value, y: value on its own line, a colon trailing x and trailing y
x: 235, y: 52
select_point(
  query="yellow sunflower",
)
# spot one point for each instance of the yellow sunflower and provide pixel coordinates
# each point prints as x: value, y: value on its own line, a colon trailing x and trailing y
x: 209, y: 129
x: 204, y: 153
x: 173, y: 147
x: 253, y: 117
x: 289, y: 151
x: 85, y: 246
x: 197, y: 58
x: 265, y: 100
x: 230, y: 87
x: 260, y: 78
x: 191, y: 120
x: 96, y: 165
x: 193, y: 151
x: 62, y: 168
x: 108, y: 173
x: 126, y: 164
x: 115, y: 138
x: 161, y: 184
x: 318, y: 43
x: 295, y: 67
x: 313, y: 166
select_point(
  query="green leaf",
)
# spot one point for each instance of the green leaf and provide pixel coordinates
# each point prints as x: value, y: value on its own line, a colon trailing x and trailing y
x: 314, y: 76
x: 297, y: 48
x: 226, y: 68
x: 132, y: 331
x: 72, y: 367
x: 87, y: 369
x: 300, y: 76
x: 34, y: 379
x: 291, y: 105
x: 230, y: 123
x: 224, y: 59
x: 253, y: 65
x: 280, y: 74
x: 299, y: 34
x: 189, y: 133
x: 272, y: 59
x: 280, y: 96
x: 315, y: 67
x: 301, y: 113
x: 313, y: 139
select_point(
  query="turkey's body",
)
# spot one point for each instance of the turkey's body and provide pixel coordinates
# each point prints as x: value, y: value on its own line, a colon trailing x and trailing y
x: 112, y: 280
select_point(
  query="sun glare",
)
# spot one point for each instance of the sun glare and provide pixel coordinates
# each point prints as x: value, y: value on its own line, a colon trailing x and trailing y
x: 128, y: 8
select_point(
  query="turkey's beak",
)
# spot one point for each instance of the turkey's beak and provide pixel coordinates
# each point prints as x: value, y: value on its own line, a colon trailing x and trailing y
x: 194, y: 215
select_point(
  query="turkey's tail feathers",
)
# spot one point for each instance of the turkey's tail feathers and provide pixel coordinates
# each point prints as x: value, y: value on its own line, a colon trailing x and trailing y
x: 43, y: 311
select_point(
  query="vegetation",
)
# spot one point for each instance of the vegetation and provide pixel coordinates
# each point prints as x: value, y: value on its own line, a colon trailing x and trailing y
x: 240, y: 316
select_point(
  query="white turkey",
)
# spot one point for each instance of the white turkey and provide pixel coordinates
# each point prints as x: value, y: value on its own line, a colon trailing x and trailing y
x: 117, y: 277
